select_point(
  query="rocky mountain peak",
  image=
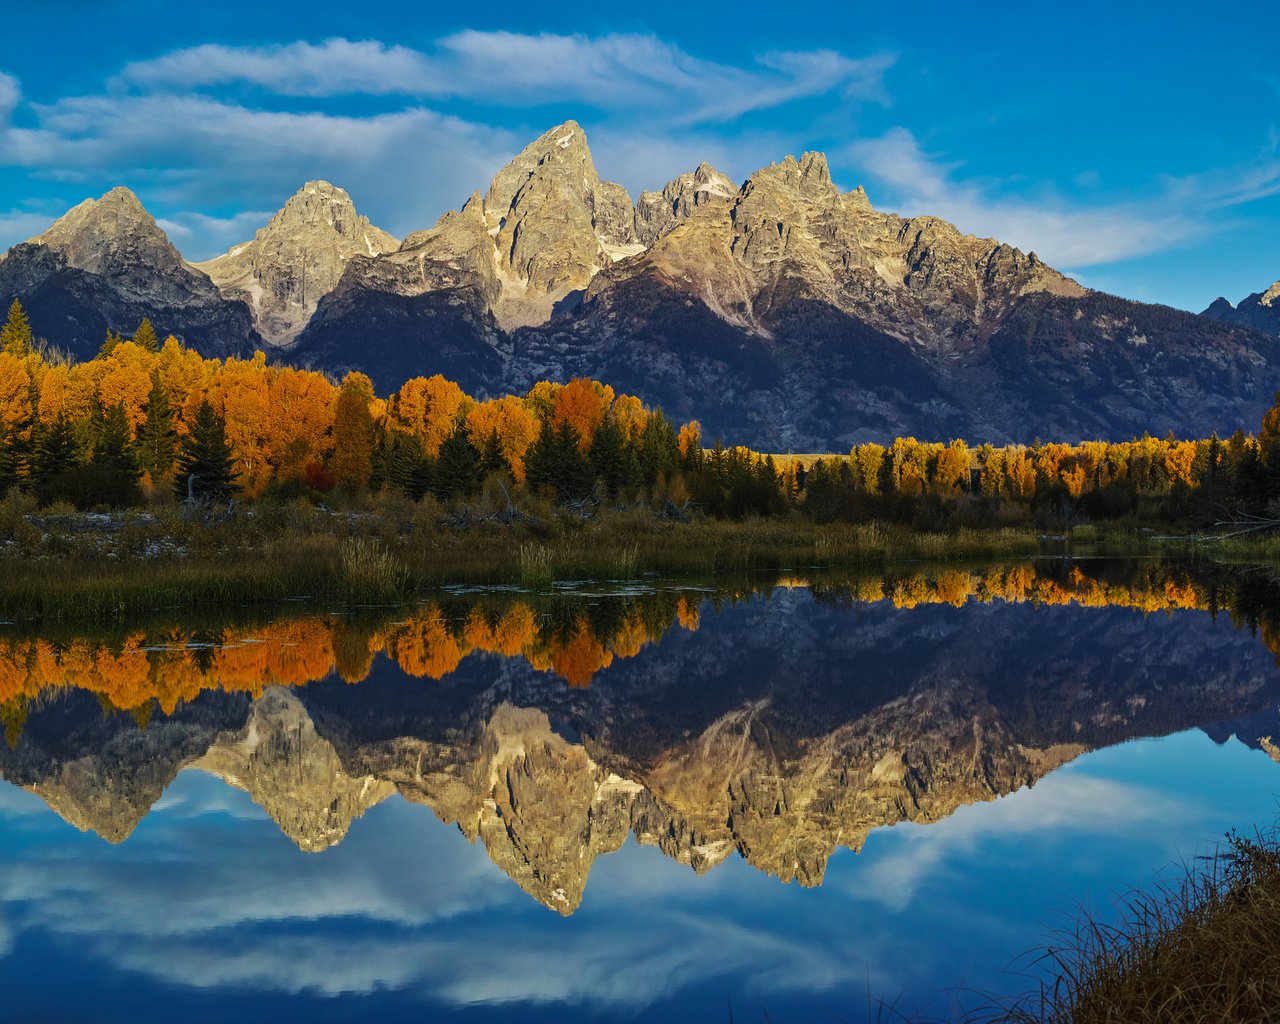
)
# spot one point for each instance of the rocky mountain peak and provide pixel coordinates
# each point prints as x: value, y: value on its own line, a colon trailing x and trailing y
x: 659, y: 212
x: 543, y: 229
x: 858, y: 199
x: 108, y: 234
x: 297, y: 258
x: 561, y: 151
x: 1260, y: 310
x: 105, y: 265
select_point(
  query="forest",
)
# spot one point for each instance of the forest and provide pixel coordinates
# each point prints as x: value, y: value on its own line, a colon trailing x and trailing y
x: 150, y: 421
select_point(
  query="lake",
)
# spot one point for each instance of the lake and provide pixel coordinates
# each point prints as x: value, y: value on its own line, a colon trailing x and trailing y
x: 767, y: 799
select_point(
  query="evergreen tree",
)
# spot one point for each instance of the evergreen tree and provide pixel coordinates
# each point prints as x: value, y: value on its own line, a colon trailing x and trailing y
x: 659, y: 449
x: 13, y: 460
x: 556, y: 461
x: 607, y: 456
x: 115, y: 449
x: 111, y: 477
x: 491, y: 458
x: 157, y: 440
x: 145, y: 336
x: 457, y: 466
x: 15, y: 336
x: 407, y: 468
x: 56, y: 452
x: 109, y: 345
x: 205, y: 458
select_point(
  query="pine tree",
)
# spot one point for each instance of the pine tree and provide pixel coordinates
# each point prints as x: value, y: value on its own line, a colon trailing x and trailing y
x: 109, y: 345
x: 491, y: 458
x: 56, y: 452
x: 13, y: 460
x: 205, y: 458
x: 145, y: 336
x: 15, y: 336
x: 111, y: 478
x: 457, y: 467
x: 115, y: 449
x: 157, y: 440
x: 608, y: 457
x: 556, y: 461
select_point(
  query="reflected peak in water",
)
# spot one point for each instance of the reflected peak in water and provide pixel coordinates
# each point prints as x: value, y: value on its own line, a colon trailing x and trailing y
x: 778, y: 724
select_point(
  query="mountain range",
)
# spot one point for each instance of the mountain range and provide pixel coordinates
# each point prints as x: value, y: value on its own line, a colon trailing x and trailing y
x: 783, y: 313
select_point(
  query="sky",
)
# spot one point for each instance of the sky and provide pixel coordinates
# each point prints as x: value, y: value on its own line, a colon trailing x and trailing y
x: 1134, y: 146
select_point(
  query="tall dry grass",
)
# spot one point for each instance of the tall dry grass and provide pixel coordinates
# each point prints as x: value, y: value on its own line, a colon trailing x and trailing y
x: 1203, y: 948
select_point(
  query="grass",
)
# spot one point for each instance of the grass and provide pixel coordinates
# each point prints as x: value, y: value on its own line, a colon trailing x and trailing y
x: 1203, y: 948
x: 65, y: 567
x: 535, y: 566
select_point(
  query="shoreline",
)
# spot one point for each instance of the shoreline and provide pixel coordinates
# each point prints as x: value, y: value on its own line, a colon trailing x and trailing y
x: 100, y: 567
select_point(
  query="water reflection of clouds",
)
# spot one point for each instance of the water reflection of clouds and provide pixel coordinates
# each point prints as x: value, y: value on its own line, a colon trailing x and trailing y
x: 210, y: 895
x: 405, y: 903
x: 1066, y: 802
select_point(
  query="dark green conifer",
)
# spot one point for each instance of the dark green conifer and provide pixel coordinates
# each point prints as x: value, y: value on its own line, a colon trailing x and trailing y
x: 157, y: 439
x: 457, y: 467
x: 204, y: 462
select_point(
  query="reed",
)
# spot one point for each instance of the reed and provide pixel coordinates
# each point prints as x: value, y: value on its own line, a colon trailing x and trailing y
x: 535, y: 566
x: 1201, y: 948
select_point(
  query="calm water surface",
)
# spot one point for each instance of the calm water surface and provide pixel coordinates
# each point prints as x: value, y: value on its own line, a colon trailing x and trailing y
x: 647, y: 802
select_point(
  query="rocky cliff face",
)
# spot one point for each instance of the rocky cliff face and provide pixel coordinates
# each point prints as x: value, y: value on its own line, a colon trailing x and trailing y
x: 533, y: 241
x: 1261, y: 311
x: 284, y: 271
x: 107, y: 264
x: 793, y: 316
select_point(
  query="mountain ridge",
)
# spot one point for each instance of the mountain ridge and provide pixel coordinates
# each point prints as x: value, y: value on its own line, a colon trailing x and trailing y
x: 784, y: 313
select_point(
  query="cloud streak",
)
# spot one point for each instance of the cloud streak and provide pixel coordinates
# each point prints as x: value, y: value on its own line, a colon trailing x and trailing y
x: 613, y: 71
x: 1064, y: 234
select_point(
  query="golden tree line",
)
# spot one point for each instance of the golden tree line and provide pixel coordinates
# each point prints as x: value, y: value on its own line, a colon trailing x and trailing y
x: 283, y: 423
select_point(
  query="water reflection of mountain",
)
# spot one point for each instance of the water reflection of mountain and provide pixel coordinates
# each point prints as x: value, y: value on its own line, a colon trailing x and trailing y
x: 781, y: 725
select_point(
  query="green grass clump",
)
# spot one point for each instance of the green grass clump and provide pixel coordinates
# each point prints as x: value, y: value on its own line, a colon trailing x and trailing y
x: 369, y: 572
x: 535, y: 570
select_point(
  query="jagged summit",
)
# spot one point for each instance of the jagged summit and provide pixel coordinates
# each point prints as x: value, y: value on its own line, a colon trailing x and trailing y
x: 1261, y: 310
x: 109, y: 235
x: 542, y: 230
x: 296, y: 259
x: 106, y: 264
x: 783, y: 312
x: 659, y: 212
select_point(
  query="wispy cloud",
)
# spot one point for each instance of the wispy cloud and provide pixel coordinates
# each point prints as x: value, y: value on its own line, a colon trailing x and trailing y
x: 226, y: 128
x: 613, y: 71
x: 10, y: 94
x: 195, y: 151
x: 1066, y: 234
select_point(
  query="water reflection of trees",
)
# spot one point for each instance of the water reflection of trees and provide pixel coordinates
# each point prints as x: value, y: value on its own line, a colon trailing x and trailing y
x: 571, y: 637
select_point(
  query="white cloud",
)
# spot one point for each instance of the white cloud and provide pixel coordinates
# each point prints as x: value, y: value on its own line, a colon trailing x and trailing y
x: 19, y: 225
x: 10, y: 95
x: 613, y: 71
x: 332, y: 68
x: 403, y: 168
x: 1063, y: 234
x: 1067, y: 801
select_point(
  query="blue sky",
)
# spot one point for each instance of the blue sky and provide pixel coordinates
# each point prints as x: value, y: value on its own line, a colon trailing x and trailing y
x: 1137, y: 148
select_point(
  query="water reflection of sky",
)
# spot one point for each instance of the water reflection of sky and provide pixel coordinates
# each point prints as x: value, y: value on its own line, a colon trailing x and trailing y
x: 209, y: 913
